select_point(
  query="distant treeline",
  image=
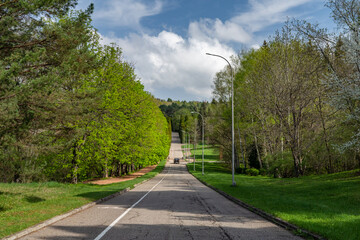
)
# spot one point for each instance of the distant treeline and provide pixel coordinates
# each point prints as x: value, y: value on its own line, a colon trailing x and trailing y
x: 70, y: 108
x: 182, y: 120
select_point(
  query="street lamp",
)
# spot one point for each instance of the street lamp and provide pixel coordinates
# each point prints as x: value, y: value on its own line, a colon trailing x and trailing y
x: 188, y: 146
x: 194, y: 144
x: 202, y: 141
x: 185, y: 143
x: 232, y: 117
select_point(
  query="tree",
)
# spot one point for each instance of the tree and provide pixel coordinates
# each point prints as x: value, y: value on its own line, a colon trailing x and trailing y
x: 285, y: 90
x: 70, y: 109
x: 344, y: 81
x: 44, y: 51
x: 276, y: 89
x: 342, y: 57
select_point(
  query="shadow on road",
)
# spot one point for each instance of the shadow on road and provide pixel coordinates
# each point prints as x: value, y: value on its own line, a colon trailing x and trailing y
x: 161, y: 231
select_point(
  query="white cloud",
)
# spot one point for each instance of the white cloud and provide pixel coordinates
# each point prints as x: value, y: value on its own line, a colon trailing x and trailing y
x: 171, y: 65
x: 255, y: 46
x: 228, y: 31
x: 125, y: 12
x: 174, y: 64
x: 242, y: 27
x: 264, y: 13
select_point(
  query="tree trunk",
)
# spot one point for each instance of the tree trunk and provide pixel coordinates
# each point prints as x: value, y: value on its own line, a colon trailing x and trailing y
x: 126, y: 169
x: 236, y: 155
x: 257, y: 150
x: 221, y: 153
x: 245, y: 150
x: 257, y: 147
x: 106, y: 170
x: 241, y: 149
x: 330, y: 168
x: 297, y: 160
x: 265, y: 153
x: 120, y: 169
x: 74, y: 179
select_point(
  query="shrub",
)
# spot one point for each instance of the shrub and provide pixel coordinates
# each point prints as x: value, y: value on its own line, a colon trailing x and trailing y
x: 280, y: 165
x: 241, y: 169
x: 252, y: 172
x: 263, y: 172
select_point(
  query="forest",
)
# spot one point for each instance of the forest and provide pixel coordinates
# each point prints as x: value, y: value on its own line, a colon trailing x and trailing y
x: 296, y: 101
x: 71, y: 109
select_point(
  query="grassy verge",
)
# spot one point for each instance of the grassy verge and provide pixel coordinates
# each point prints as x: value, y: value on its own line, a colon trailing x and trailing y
x: 328, y: 205
x: 24, y: 205
x: 210, y: 153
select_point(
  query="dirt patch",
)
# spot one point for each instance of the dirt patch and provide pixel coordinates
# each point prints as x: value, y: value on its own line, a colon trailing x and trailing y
x: 124, y: 178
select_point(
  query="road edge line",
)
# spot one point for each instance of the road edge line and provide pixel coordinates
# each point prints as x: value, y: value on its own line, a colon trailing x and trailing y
x: 261, y: 213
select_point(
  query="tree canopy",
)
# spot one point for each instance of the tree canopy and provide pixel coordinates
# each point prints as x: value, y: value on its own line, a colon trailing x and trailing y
x: 296, y: 99
x: 70, y: 108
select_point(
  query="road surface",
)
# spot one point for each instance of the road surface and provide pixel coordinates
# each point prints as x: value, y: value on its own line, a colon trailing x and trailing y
x: 173, y: 205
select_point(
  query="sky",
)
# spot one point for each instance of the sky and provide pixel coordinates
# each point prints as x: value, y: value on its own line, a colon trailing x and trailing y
x: 167, y: 40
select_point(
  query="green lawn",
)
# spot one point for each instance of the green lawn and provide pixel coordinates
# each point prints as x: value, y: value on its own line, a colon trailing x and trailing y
x: 24, y: 205
x: 210, y: 153
x: 328, y: 205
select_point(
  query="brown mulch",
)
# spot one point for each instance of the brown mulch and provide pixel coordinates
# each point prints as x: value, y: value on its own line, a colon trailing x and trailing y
x: 124, y: 178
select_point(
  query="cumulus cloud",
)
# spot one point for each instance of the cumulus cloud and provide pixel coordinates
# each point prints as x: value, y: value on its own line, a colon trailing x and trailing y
x: 170, y: 65
x: 174, y: 64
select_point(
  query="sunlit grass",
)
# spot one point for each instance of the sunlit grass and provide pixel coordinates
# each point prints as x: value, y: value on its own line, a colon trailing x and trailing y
x: 210, y: 153
x: 328, y: 205
x: 24, y: 205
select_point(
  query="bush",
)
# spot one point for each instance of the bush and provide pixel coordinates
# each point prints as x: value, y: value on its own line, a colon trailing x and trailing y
x: 241, y: 169
x: 263, y: 172
x: 280, y: 165
x: 252, y: 172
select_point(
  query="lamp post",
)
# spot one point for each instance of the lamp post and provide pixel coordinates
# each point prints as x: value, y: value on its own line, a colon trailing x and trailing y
x: 185, y: 144
x: 188, y: 146
x: 194, y: 144
x: 202, y: 118
x: 232, y: 117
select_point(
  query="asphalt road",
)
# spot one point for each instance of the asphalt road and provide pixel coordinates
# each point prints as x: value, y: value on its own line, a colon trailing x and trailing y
x: 173, y: 205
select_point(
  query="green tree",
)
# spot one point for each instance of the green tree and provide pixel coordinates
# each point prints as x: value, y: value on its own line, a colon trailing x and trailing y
x: 44, y: 52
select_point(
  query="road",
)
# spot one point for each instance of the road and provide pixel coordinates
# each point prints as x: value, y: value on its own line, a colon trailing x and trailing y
x: 173, y: 205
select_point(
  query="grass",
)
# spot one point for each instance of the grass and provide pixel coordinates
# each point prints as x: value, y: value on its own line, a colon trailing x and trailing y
x: 25, y: 205
x: 210, y: 153
x: 328, y: 205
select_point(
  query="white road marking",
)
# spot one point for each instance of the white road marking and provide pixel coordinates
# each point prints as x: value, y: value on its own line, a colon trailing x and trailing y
x: 126, y: 212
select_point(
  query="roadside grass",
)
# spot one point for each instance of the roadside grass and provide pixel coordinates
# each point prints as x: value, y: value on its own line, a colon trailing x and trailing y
x: 25, y: 205
x: 210, y: 153
x: 328, y: 205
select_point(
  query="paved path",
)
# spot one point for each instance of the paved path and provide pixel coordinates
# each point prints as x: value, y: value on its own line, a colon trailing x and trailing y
x: 177, y: 207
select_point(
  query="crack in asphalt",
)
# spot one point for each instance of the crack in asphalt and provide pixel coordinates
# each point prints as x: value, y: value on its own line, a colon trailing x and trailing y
x: 208, y: 209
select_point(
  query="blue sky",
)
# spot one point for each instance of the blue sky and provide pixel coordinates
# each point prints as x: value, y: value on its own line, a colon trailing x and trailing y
x: 166, y: 40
